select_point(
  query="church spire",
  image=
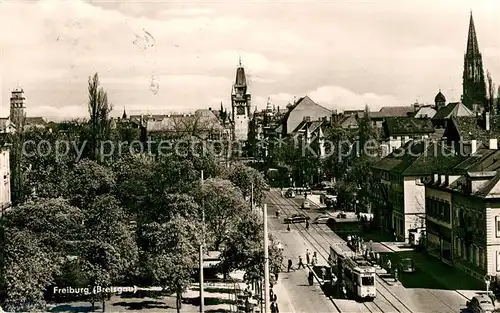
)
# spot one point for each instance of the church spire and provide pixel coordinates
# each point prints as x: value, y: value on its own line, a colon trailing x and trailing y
x: 474, y: 86
x: 124, y: 116
x: 472, y: 45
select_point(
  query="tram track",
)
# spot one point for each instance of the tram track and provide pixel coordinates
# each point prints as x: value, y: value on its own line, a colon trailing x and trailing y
x: 334, y: 239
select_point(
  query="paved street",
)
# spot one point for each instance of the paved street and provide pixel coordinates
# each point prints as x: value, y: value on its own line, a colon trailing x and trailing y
x: 303, y: 298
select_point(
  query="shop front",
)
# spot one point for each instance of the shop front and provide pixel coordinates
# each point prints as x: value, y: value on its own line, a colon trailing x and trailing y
x: 439, y: 243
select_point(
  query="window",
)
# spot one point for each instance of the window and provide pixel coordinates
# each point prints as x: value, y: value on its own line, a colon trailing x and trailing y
x: 497, y: 226
x: 367, y: 281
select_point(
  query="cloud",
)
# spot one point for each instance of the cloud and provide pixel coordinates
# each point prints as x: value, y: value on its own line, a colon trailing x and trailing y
x: 342, y: 53
x: 186, y: 11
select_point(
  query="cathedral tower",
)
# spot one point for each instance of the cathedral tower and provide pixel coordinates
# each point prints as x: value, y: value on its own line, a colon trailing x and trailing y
x: 240, y: 102
x: 474, y: 87
x: 18, y: 108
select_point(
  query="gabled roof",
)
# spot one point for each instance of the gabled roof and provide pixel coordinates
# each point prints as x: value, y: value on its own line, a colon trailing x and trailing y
x: 395, y: 111
x: 425, y: 112
x: 347, y: 121
x: 451, y: 110
x: 398, y: 126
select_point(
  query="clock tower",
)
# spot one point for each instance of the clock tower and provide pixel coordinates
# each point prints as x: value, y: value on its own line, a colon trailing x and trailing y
x: 240, y: 101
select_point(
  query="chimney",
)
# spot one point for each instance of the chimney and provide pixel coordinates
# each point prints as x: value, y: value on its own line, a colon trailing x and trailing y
x: 487, y: 121
x: 473, y: 146
x: 493, y: 143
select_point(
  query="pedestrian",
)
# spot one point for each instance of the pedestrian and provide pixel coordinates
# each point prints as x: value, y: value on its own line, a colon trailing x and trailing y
x: 301, y: 263
x: 323, y: 273
x: 377, y: 257
x: 349, y: 239
x: 289, y: 264
x: 307, y: 224
x: 308, y: 256
x: 273, y: 307
x: 315, y: 257
x: 389, y: 265
x: 288, y: 227
x: 275, y: 298
x: 271, y: 294
x: 276, y: 272
x: 310, y: 277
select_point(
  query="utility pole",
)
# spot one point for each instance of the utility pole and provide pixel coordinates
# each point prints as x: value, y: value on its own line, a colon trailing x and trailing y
x: 266, y: 261
x: 251, y: 196
x: 202, y: 296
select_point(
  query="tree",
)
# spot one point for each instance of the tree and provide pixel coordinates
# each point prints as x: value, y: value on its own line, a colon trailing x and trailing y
x: 29, y: 269
x: 491, y: 93
x: 222, y: 203
x: 89, y: 180
x: 244, y: 249
x: 245, y: 178
x: 111, y: 254
x: 99, y: 110
x: 54, y: 221
x: 169, y: 253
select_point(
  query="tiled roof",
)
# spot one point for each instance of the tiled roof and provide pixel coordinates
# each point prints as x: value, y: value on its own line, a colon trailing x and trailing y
x: 483, y: 161
x: 407, y: 126
x: 396, y: 111
x: 436, y: 159
x: 37, y: 120
x: 473, y: 128
x: 452, y: 110
x: 420, y: 158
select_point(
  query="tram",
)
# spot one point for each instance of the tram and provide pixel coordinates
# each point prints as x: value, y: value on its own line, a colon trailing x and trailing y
x: 355, y: 271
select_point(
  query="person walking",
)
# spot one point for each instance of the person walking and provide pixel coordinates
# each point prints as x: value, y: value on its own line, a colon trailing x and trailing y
x: 289, y: 264
x: 307, y: 224
x: 308, y: 257
x: 301, y: 263
x: 323, y: 273
x: 315, y: 258
x: 389, y: 265
x: 310, y: 277
x: 288, y: 227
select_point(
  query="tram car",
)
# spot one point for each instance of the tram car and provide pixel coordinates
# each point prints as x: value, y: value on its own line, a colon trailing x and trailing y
x: 358, y: 275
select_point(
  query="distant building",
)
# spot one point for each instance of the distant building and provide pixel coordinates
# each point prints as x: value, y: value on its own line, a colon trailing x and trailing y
x: 203, y: 124
x: 474, y: 86
x: 397, y: 131
x: 240, y: 103
x: 304, y: 107
x: 17, y: 120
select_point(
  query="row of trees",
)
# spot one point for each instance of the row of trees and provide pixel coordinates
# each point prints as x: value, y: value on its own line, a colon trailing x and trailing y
x: 132, y: 219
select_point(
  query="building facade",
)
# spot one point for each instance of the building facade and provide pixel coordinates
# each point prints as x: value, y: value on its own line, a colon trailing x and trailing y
x: 463, y: 214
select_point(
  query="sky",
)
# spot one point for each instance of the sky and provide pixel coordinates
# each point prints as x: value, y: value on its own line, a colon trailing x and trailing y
x: 177, y: 56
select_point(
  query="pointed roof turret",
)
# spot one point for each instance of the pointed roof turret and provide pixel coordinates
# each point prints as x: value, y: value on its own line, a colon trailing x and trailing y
x: 472, y: 45
x: 124, y: 116
x: 439, y: 97
x: 241, y: 80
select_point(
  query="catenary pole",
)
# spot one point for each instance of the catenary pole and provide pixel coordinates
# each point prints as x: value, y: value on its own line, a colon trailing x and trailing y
x: 266, y: 261
x: 202, y: 296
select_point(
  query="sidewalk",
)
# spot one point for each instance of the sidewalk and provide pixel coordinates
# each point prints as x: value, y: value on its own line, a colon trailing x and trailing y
x: 445, y: 276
